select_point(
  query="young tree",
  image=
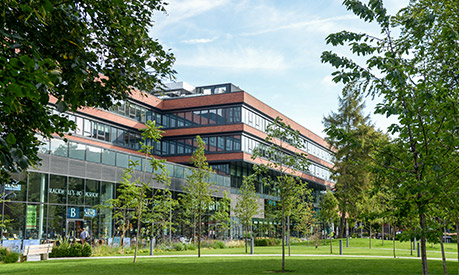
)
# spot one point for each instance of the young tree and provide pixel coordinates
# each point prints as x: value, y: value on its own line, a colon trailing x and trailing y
x: 198, y: 194
x: 282, y: 168
x: 329, y: 211
x: 413, y: 71
x: 247, y: 205
x: 221, y: 216
x: 134, y: 192
x: 76, y: 53
x: 159, y: 213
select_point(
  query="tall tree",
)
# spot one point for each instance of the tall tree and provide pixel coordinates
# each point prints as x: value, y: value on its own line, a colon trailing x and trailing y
x: 348, y: 131
x: 282, y: 168
x: 247, y: 205
x: 198, y: 194
x: 82, y: 53
x: 414, y: 71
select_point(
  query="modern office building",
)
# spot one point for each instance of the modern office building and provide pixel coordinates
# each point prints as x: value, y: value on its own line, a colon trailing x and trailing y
x: 58, y: 197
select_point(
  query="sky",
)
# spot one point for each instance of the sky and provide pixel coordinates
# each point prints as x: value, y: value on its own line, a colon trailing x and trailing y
x: 270, y: 49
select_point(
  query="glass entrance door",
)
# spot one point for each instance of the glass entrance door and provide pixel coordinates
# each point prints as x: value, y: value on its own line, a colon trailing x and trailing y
x: 74, y: 228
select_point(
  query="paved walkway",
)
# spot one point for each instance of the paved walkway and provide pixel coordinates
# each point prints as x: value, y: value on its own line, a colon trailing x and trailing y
x: 247, y: 255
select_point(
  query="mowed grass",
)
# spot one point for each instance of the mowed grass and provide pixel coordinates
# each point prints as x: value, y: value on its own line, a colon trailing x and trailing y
x: 356, y: 247
x: 227, y: 265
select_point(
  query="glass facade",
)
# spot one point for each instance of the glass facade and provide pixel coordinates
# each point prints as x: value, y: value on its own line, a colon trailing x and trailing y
x: 50, y: 212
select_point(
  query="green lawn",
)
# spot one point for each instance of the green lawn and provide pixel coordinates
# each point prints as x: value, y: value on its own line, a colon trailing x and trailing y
x: 356, y: 247
x: 227, y: 265
x: 255, y: 265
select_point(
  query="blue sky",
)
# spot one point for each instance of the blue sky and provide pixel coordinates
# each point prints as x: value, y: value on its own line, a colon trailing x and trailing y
x: 270, y: 49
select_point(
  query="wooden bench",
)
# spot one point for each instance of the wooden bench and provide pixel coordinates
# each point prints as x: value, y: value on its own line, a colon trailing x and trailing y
x: 37, y: 252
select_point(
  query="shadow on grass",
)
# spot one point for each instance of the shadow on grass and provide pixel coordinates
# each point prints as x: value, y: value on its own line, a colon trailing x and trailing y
x: 227, y: 265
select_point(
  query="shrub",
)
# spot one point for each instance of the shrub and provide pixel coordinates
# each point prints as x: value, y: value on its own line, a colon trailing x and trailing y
x: 218, y: 245
x: 86, y: 250
x: 206, y: 244
x: 3, y: 252
x: 11, y: 257
x: 74, y: 250
x: 190, y: 246
x: 178, y: 246
x: 267, y: 241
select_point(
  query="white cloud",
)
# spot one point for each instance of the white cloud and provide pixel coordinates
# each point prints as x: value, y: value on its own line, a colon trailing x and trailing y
x: 326, y: 25
x: 200, y: 40
x: 235, y: 58
x: 181, y: 10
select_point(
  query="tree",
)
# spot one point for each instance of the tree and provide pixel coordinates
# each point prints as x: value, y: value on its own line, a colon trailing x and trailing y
x: 282, y: 168
x: 80, y: 53
x: 198, y: 194
x: 414, y: 72
x: 150, y: 135
x: 221, y: 216
x: 133, y: 196
x: 159, y: 213
x: 247, y: 205
x: 304, y: 217
x: 348, y: 131
x: 329, y: 210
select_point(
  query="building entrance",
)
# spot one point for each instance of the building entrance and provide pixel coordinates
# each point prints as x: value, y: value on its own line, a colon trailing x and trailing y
x: 75, y: 226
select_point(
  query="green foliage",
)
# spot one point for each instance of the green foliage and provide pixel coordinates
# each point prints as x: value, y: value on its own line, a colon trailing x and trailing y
x: 352, y: 136
x: 71, y: 250
x: 413, y: 71
x: 190, y: 246
x: 218, y: 245
x: 329, y: 207
x: 11, y: 257
x: 222, y: 215
x: 178, y: 246
x: 281, y: 169
x: 82, y: 54
x: 198, y: 194
x: 247, y: 205
x: 3, y: 252
x: 263, y: 241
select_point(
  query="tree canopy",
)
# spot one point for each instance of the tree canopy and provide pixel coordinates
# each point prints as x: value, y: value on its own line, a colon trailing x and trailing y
x: 414, y: 71
x: 83, y: 53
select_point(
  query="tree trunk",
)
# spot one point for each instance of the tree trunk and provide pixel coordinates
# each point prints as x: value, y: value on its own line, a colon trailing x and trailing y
x: 393, y: 240
x: 457, y: 237
x: 288, y: 234
x: 422, y: 222
x: 361, y: 230
x: 283, y: 238
x: 342, y: 224
x: 369, y: 235
x: 331, y: 245
x: 411, y: 247
x: 137, y: 235
x: 382, y: 234
x: 245, y: 236
x: 443, y: 257
x: 199, y: 236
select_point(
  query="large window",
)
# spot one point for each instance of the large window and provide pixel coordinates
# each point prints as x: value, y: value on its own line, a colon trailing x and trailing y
x: 212, y: 144
x: 213, y: 116
x: 57, y: 189
x: 75, y: 191
x: 38, y: 187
